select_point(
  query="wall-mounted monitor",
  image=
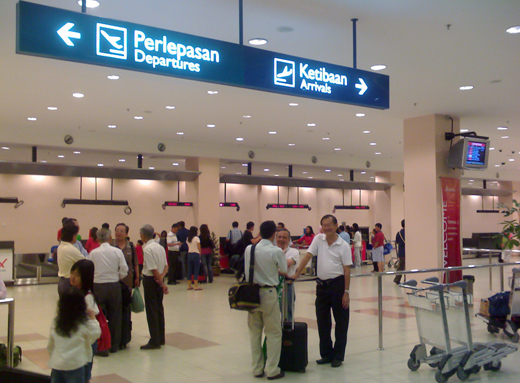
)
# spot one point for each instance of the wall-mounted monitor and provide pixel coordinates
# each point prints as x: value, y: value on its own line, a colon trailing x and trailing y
x: 470, y: 153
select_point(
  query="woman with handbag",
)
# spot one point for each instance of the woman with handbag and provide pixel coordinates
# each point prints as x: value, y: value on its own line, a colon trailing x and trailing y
x: 206, y: 251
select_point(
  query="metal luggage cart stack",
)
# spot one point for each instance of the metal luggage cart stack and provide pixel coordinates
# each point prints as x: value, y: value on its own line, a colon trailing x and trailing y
x: 443, y: 321
x: 510, y: 325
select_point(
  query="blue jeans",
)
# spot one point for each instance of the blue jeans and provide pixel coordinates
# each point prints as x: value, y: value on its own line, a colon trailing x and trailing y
x: 193, y: 266
x: 74, y: 376
x: 184, y: 263
x: 88, y: 367
x: 207, y: 262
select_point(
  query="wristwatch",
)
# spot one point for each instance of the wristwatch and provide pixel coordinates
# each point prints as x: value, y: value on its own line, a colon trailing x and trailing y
x: 347, y: 291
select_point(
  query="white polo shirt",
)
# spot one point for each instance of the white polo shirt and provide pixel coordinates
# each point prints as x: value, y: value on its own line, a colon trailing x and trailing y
x: 109, y: 264
x: 154, y: 258
x: 268, y: 260
x: 331, y: 259
x: 294, y: 254
x: 171, y: 238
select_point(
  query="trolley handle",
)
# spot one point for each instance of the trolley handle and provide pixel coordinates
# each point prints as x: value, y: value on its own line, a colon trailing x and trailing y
x: 431, y: 281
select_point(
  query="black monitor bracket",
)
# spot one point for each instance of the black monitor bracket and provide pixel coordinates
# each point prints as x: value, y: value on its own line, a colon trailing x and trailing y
x: 450, y: 136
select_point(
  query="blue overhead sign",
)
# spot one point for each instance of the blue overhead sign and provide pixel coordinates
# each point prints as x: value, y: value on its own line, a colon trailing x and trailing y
x: 73, y: 36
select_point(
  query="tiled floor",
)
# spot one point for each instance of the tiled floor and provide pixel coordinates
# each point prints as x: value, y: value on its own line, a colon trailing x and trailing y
x: 208, y: 342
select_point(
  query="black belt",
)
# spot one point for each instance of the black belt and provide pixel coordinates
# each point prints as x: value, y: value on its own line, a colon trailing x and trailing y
x: 326, y: 282
x: 267, y: 287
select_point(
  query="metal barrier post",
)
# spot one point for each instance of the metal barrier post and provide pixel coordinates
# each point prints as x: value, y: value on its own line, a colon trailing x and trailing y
x: 490, y: 274
x: 501, y: 277
x: 10, y: 329
x: 380, y: 309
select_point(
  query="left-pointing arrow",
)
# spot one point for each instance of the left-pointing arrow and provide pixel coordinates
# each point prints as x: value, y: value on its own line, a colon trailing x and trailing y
x: 66, y: 34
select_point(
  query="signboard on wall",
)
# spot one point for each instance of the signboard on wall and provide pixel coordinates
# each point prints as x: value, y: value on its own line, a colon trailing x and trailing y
x: 6, y: 264
x: 452, y: 255
x: 73, y: 36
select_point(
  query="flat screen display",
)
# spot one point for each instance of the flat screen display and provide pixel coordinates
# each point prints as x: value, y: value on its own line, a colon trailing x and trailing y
x: 476, y: 153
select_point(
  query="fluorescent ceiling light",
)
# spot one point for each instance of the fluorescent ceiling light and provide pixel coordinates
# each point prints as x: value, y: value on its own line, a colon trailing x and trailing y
x: 180, y: 133
x: 247, y: 116
x: 310, y: 177
x: 5, y: 147
x: 258, y: 41
x: 90, y: 3
x: 491, y: 148
x: 504, y: 137
x: 212, y: 91
x: 100, y: 165
x: 239, y: 139
x: 511, y: 159
x: 466, y: 87
x: 222, y: 167
x: 373, y: 144
x: 61, y: 156
x: 112, y: 126
x: 378, y: 153
x: 464, y: 130
x: 305, y: 172
x: 360, y: 114
x: 76, y: 152
x: 78, y: 95
x: 293, y: 104
x: 337, y: 148
x: 366, y: 131
x: 210, y: 125
x: 52, y: 108
x: 31, y: 118
x: 170, y: 107
x: 378, y: 67
x: 151, y: 168
x: 244, y: 164
x: 325, y: 138
x: 363, y: 172
x: 266, y: 170
x: 515, y: 29
x: 175, y: 164
x: 340, y: 175
x: 327, y: 170
x: 113, y: 77
x: 502, y: 128
x: 43, y: 161
x: 122, y: 160
x: 138, y: 117
x: 272, y: 132
x: 311, y: 124
x: 291, y: 144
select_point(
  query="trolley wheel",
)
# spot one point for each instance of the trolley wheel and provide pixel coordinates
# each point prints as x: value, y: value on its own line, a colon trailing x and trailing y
x: 475, y: 369
x: 515, y: 337
x: 463, y: 374
x: 493, y: 329
x: 413, y: 365
x: 440, y: 377
x: 492, y: 367
x: 390, y: 264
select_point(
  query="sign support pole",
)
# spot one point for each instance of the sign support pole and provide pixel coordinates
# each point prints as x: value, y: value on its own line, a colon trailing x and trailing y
x: 354, y: 42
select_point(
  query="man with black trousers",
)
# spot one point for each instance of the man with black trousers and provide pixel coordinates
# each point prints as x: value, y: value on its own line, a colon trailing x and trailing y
x: 334, y: 259
x: 173, y: 254
x: 182, y: 236
x: 154, y: 270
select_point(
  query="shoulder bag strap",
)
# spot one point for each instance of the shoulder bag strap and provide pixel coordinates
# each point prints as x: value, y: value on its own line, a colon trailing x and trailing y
x: 400, y: 235
x: 252, y: 265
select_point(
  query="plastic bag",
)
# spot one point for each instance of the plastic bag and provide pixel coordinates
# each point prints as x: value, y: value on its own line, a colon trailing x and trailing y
x: 137, y: 305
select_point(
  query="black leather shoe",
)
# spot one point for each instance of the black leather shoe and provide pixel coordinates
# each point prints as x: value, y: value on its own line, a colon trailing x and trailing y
x: 336, y: 363
x: 324, y: 361
x: 279, y: 376
x: 260, y: 375
x: 150, y: 347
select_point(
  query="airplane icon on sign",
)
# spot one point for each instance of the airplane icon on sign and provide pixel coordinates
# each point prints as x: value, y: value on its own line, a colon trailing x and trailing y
x: 112, y: 40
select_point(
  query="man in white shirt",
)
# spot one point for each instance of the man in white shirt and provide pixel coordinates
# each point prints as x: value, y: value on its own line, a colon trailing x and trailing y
x: 67, y: 254
x: 174, y: 246
x: 154, y: 270
x: 269, y: 260
x: 283, y: 240
x: 110, y: 266
x: 332, y: 290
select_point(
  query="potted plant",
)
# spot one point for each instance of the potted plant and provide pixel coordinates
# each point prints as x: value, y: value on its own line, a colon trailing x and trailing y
x: 510, y: 235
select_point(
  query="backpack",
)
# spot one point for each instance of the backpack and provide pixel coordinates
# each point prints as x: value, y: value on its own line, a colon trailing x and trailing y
x: 17, y: 355
x: 499, y: 304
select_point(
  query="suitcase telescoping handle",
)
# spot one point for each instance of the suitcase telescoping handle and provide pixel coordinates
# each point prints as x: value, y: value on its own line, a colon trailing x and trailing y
x: 285, y: 303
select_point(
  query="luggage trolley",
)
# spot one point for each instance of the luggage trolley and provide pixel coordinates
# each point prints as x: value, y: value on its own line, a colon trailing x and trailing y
x: 437, y: 304
x: 509, y: 324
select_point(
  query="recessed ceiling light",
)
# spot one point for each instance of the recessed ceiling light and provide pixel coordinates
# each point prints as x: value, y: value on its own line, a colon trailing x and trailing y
x: 43, y: 161
x: 471, y: 180
x: 378, y: 67
x: 310, y: 177
x: 31, y: 118
x: 239, y: 139
x: 502, y: 128
x: 272, y: 132
x: 327, y: 170
x: 466, y: 87
x: 212, y: 91
x: 112, y: 126
x: 311, y: 124
x: 210, y: 125
x: 138, y: 117
x: 52, y: 108
x: 340, y: 175
x: 341, y: 179
x: 373, y: 144
x: 258, y: 41
x: 497, y: 165
x: 170, y: 107
x: 151, y: 168
x: 78, y: 95
x: 337, y: 148
x: 378, y: 153
x: 293, y: 104
x: 366, y: 131
x: 266, y: 170
x: 360, y: 114
x: 76, y: 152
x: 276, y: 175
x: 122, y: 160
x: 515, y: 29
x: 326, y: 138
x: 247, y: 116
x: 504, y: 137
x: 90, y: 3
x: 113, y: 77
x: 100, y: 165
x: 5, y: 147
x: 372, y: 177
x: 305, y: 172
x: 222, y: 167
x: 180, y: 133
x: 244, y: 164
x: 61, y: 156
x: 511, y: 159
x: 464, y: 130
x: 175, y: 164
x: 291, y: 144
x: 363, y: 172
x: 491, y: 148
x: 239, y: 173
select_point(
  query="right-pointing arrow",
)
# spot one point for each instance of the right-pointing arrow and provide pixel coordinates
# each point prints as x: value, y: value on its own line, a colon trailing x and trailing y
x: 362, y: 86
x: 66, y: 34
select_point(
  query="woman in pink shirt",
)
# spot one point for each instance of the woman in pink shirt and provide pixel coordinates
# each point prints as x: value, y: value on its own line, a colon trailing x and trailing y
x: 307, y: 237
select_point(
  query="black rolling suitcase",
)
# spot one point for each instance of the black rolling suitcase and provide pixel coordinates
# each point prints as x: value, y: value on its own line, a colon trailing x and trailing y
x: 294, y: 355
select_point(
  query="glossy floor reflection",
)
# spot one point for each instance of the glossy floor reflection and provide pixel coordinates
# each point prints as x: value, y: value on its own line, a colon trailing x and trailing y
x: 208, y: 342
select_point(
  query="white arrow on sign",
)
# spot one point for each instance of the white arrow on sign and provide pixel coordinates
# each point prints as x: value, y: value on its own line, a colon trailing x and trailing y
x: 66, y: 34
x: 361, y: 86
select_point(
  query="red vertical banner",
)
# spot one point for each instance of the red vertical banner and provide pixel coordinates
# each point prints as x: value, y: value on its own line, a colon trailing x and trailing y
x: 452, y: 255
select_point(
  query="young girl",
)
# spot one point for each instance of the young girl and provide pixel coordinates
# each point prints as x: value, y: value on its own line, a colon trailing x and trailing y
x: 72, y: 333
x: 82, y: 278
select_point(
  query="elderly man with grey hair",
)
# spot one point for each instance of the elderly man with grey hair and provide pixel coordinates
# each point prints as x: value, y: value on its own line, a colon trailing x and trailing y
x: 154, y: 270
x: 110, y: 266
